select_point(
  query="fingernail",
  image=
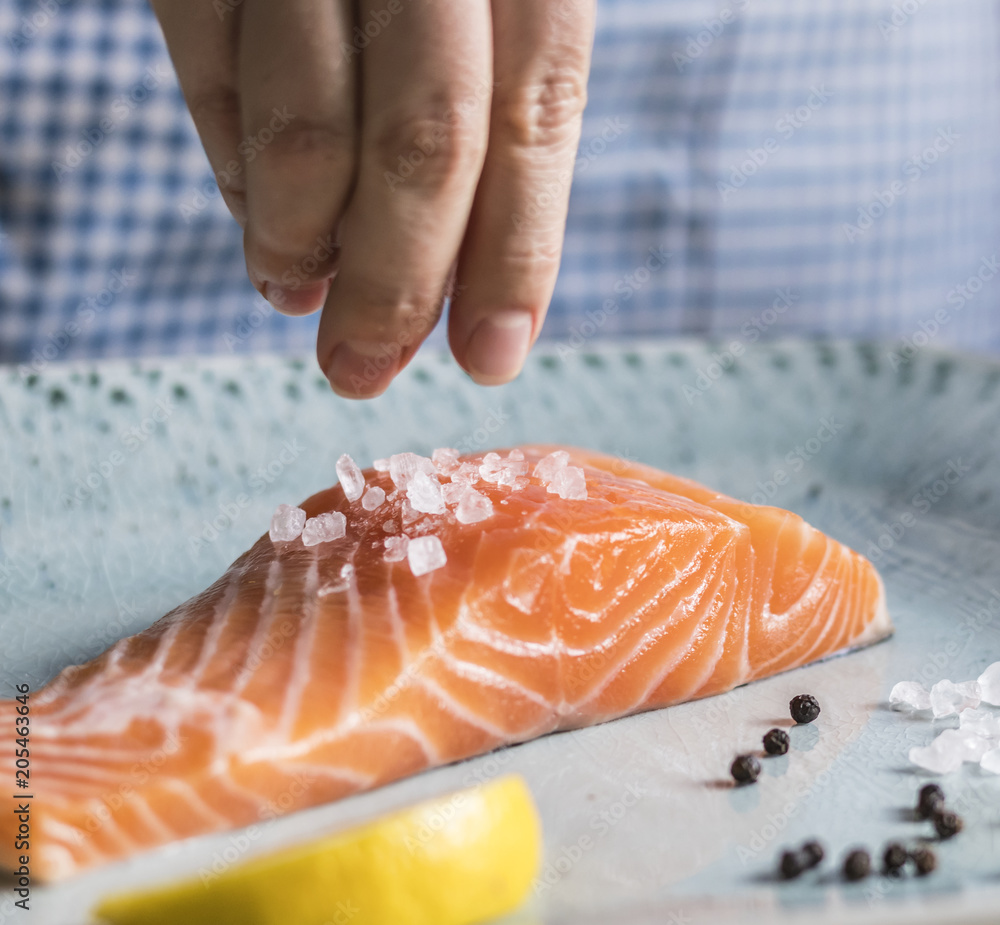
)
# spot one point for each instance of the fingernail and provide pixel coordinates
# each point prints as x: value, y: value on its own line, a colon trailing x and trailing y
x: 498, y: 347
x: 300, y: 300
x: 362, y: 369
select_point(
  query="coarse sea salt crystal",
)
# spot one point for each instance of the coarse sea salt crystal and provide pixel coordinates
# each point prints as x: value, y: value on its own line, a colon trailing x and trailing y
x: 286, y: 523
x: 445, y: 459
x: 944, y: 755
x: 569, y: 483
x: 548, y: 466
x: 403, y: 466
x: 424, y: 494
x: 351, y: 477
x: 407, y: 514
x: 473, y: 508
x: 390, y: 526
x: 466, y: 472
x: 972, y: 746
x: 324, y: 528
x: 989, y: 685
x: 513, y: 467
x: 491, y: 467
x: 515, y: 460
x: 452, y: 492
x: 910, y: 695
x: 395, y: 548
x: 425, y: 554
x: 374, y: 498
x: 982, y: 723
x: 948, y: 698
x: 381, y: 465
x: 991, y: 761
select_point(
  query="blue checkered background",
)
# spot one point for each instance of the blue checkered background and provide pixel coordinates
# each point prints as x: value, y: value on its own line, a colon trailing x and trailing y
x: 829, y: 167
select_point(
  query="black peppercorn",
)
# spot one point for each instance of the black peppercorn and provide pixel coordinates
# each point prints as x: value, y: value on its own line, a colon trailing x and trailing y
x: 924, y: 860
x: 804, y: 708
x: 857, y: 865
x: 792, y: 864
x: 745, y: 769
x: 813, y: 851
x: 931, y: 796
x: 776, y: 742
x: 946, y: 823
x: 894, y: 859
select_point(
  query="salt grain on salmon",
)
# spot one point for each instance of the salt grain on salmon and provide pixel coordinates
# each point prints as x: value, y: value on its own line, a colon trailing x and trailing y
x: 324, y: 528
x: 452, y: 492
x: 466, y: 472
x: 403, y: 466
x: 491, y: 467
x: 381, y: 465
x: 547, y: 468
x: 569, y: 483
x: 395, y: 548
x: 287, y: 523
x: 506, y: 641
x: 424, y: 494
x: 374, y: 498
x: 351, y: 478
x: 445, y: 459
x: 425, y: 554
x: 473, y: 508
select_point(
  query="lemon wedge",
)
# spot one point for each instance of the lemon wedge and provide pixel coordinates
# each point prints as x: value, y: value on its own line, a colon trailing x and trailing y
x: 456, y: 860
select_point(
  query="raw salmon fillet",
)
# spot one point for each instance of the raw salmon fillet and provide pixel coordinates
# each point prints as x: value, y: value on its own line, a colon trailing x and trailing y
x: 307, y: 673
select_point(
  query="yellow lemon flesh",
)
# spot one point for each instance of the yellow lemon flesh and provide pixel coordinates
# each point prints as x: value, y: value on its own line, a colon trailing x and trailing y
x: 459, y: 859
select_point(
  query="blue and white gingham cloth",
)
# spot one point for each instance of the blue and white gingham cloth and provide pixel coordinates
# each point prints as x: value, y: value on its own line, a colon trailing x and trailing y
x: 747, y: 168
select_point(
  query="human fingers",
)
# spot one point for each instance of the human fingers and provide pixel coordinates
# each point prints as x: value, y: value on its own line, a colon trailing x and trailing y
x: 202, y: 41
x: 510, y: 257
x: 426, y: 78
x: 297, y: 102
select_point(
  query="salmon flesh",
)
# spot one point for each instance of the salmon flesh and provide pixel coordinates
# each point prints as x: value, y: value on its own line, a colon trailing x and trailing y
x: 485, y: 601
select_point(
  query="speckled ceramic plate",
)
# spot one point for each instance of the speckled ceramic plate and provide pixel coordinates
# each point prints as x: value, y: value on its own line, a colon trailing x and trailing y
x: 125, y: 488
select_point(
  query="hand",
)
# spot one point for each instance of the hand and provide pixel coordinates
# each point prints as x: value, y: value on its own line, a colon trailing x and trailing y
x: 378, y: 164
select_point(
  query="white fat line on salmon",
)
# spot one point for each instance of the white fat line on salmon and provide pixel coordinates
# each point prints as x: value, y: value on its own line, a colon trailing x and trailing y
x: 137, y: 776
x: 261, y: 651
x: 601, y: 823
x: 587, y: 661
x: 265, y: 614
x: 305, y: 636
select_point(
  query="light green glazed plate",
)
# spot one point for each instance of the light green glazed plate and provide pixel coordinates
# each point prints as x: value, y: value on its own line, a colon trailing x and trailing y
x: 126, y: 488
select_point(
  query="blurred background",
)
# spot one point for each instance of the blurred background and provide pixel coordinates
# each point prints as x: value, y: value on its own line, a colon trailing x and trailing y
x: 748, y: 169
